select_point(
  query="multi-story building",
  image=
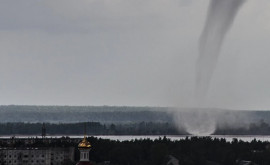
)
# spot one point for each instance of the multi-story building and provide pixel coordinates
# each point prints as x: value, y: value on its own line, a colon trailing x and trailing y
x: 36, y: 156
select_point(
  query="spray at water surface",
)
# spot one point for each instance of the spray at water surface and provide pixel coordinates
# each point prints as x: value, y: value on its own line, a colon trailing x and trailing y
x: 221, y: 14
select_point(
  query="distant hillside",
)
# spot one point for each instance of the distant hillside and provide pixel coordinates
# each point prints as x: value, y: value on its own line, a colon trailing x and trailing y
x: 71, y: 114
x: 115, y: 114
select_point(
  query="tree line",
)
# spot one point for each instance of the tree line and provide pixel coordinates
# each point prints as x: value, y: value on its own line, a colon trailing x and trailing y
x: 141, y: 128
x: 259, y: 128
x: 92, y: 128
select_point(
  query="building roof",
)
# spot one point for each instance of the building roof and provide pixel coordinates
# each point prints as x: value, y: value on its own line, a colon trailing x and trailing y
x: 84, y: 163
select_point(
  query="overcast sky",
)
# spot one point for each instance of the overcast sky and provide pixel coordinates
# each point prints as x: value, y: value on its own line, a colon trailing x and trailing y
x: 128, y: 52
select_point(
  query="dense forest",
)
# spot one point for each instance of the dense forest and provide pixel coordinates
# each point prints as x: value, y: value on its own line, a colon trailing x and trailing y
x: 188, y: 151
x: 92, y: 128
x: 142, y: 128
x: 259, y: 128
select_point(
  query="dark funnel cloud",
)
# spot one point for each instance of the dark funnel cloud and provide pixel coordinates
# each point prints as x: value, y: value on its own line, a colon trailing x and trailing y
x: 221, y: 14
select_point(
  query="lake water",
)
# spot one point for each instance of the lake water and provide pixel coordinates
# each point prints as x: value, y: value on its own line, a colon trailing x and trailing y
x: 246, y: 138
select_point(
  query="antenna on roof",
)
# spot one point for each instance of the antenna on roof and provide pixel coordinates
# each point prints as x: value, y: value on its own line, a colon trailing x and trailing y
x: 43, y: 131
x: 85, y: 129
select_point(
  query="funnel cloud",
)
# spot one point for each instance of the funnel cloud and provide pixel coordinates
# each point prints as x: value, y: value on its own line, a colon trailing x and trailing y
x: 221, y: 14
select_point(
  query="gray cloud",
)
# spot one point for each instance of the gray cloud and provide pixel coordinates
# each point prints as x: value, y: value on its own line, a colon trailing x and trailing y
x: 127, y: 53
